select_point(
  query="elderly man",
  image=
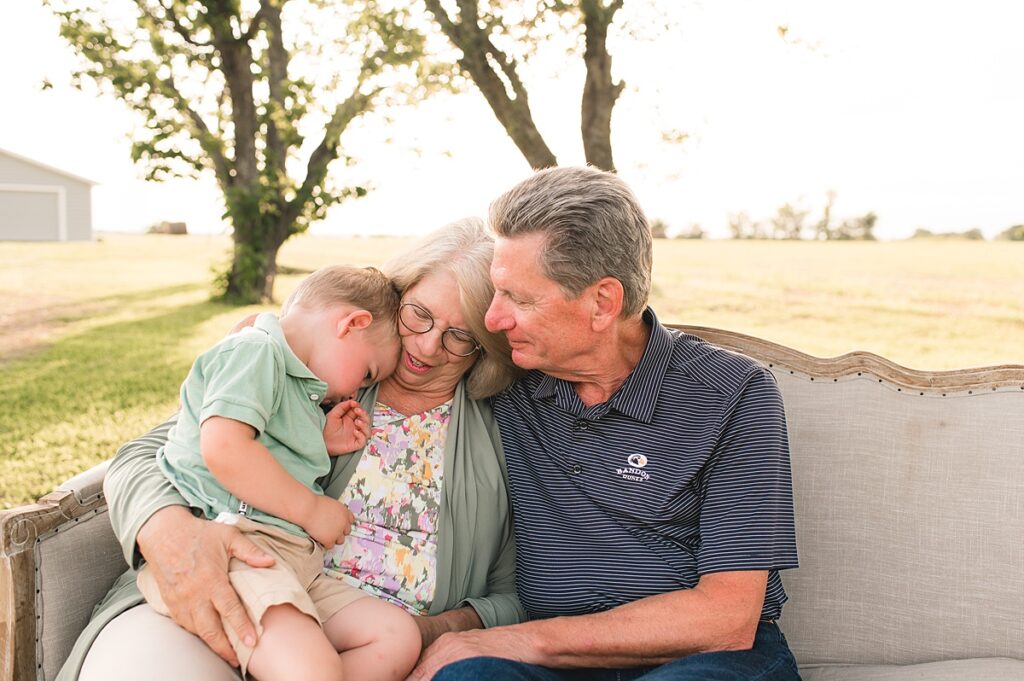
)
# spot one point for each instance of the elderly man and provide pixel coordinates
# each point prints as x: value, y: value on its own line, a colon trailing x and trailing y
x: 649, y: 470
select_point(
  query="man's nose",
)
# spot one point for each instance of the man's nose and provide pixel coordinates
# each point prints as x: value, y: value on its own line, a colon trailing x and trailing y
x: 496, y: 319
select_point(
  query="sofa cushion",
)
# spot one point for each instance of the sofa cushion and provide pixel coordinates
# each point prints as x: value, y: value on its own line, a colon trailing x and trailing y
x: 981, y: 669
x: 910, y: 513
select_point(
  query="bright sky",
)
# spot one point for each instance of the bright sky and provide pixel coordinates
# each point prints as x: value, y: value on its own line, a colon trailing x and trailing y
x: 912, y: 109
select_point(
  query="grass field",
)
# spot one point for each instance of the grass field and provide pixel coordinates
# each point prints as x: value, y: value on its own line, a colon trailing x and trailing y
x: 95, y: 338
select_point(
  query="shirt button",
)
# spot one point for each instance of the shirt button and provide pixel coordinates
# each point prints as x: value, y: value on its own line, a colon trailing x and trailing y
x: 580, y: 425
x: 314, y: 397
x: 577, y: 469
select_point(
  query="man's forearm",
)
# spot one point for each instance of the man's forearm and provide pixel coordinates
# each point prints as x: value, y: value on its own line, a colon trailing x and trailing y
x: 721, y: 613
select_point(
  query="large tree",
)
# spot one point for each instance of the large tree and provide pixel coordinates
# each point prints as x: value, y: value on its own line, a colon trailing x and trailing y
x: 257, y: 92
x: 487, y: 31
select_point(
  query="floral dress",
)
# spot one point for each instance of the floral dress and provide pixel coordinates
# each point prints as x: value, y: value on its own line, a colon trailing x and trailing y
x: 395, y: 494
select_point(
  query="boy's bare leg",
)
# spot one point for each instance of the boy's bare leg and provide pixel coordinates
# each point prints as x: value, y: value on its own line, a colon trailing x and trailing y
x: 293, y: 648
x: 378, y: 641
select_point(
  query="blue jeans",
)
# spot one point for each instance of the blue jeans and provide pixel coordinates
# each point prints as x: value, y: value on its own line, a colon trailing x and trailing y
x: 768, y: 660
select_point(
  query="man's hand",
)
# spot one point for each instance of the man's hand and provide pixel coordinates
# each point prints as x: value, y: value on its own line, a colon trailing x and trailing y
x: 328, y: 522
x: 347, y: 429
x: 506, y: 642
x: 189, y: 560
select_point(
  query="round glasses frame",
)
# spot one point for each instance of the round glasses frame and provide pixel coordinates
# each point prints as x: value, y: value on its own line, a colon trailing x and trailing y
x: 423, y: 322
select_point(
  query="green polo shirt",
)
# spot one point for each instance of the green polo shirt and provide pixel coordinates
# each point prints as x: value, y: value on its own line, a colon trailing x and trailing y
x: 253, y: 377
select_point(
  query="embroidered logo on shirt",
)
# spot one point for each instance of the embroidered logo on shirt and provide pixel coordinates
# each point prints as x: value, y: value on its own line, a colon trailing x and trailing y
x: 637, y: 460
x: 633, y: 471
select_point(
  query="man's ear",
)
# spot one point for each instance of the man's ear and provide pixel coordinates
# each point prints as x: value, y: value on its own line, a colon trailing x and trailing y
x: 607, y: 302
x: 356, y: 319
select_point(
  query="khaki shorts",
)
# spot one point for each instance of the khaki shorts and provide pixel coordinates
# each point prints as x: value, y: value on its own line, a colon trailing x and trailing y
x: 296, y: 578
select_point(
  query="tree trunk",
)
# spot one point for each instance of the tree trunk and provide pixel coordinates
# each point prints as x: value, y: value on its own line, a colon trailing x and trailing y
x: 514, y: 116
x: 253, y: 267
x: 490, y: 69
x: 599, y: 92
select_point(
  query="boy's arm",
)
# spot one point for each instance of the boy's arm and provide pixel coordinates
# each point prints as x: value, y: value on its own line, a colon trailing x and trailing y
x: 249, y: 471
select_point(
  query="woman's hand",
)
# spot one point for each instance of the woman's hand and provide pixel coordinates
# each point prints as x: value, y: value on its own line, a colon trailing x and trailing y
x: 460, y: 619
x: 189, y: 558
x: 347, y: 429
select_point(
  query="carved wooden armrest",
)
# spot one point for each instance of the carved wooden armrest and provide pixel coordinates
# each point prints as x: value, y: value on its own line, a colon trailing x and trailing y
x: 58, y: 557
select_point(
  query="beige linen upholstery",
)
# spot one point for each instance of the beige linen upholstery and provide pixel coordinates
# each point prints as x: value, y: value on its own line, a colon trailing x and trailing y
x: 909, y: 495
x: 981, y: 669
x: 910, y: 520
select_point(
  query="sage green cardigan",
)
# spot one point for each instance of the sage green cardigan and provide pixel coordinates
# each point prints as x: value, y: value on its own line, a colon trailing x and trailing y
x: 476, y: 547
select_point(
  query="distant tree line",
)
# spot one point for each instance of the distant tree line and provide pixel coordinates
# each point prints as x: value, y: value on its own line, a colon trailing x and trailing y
x: 1014, y: 233
x: 968, y: 235
x: 791, y: 222
x: 659, y: 229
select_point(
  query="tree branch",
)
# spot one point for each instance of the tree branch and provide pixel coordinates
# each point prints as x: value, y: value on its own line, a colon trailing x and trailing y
x: 178, y: 27
x: 277, y: 74
x: 257, y: 19
x: 316, y: 168
x: 513, y: 114
x: 209, y: 142
x: 599, y: 90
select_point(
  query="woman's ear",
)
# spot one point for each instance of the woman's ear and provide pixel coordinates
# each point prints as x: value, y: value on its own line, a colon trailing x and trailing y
x: 356, y: 319
x: 608, y: 295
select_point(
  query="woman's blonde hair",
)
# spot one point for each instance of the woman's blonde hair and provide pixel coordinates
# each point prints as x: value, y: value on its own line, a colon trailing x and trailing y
x: 464, y: 249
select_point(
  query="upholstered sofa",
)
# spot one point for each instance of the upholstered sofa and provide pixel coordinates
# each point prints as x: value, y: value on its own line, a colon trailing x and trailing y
x: 909, y: 491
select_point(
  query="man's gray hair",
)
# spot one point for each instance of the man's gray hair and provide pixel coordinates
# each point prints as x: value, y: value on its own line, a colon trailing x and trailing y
x: 593, y: 226
x: 464, y: 249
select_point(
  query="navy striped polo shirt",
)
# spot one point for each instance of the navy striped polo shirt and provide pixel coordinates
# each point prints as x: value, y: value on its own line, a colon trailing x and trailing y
x: 683, y: 472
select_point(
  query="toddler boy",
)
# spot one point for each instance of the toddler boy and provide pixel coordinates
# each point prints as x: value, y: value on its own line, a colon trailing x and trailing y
x: 250, y: 442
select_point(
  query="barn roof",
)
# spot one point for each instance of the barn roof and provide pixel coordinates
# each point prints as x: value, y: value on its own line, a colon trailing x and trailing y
x: 45, y: 166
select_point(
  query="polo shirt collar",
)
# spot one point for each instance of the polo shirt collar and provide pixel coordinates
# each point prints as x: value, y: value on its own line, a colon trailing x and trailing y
x: 293, y: 366
x: 638, y: 395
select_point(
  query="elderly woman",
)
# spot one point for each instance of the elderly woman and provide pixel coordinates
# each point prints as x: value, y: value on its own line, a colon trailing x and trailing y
x: 433, y: 532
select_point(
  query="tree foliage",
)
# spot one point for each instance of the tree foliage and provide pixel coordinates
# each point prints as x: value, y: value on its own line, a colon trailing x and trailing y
x: 973, y: 234
x: 256, y: 92
x: 1012, y: 233
x: 496, y: 36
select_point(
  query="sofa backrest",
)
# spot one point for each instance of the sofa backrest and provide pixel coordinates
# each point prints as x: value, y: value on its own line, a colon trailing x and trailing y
x: 909, y: 495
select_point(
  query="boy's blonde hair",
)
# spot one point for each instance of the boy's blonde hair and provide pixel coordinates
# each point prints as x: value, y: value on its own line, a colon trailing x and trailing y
x: 366, y: 288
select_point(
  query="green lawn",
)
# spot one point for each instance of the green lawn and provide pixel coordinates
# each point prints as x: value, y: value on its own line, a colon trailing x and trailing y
x: 95, y: 338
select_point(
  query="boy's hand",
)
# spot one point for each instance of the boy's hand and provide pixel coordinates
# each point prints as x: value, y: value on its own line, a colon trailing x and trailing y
x: 347, y: 429
x: 330, y: 521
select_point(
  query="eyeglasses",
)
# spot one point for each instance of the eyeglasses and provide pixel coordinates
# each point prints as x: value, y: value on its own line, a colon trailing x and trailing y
x: 456, y: 341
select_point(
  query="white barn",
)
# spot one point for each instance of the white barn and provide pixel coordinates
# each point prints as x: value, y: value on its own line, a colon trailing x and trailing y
x: 42, y: 203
